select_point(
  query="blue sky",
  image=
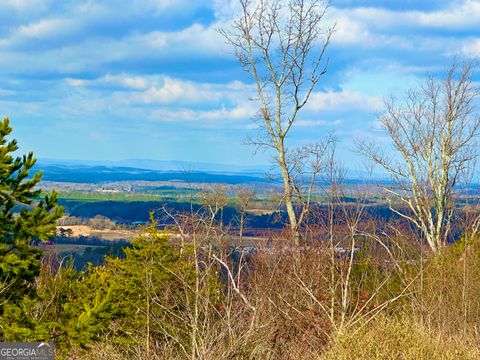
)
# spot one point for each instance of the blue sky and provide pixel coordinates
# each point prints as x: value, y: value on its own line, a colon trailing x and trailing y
x: 111, y: 80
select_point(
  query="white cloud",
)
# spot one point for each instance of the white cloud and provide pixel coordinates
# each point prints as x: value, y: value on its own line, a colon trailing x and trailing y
x: 75, y: 82
x: 456, y: 16
x: 198, y: 39
x: 349, y: 31
x: 44, y: 27
x: 172, y: 91
x: 166, y: 99
x: 376, y: 27
x: 122, y: 81
x: 226, y: 10
x: 471, y: 48
x: 315, y: 123
x: 154, y: 39
x: 77, y: 53
x: 25, y: 5
x: 464, y: 16
x: 239, y: 112
x: 133, y: 82
x: 343, y: 100
x: 126, y: 81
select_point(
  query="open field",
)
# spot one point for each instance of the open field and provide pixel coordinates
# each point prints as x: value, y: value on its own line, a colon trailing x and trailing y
x: 159, y: 195
x: 76, y: 231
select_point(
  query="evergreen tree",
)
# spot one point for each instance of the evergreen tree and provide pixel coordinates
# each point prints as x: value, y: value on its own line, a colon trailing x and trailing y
x: 24, y: 217
x: 140, y: 299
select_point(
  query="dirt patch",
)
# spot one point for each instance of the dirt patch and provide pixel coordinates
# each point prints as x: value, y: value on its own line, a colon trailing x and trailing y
x: 76, y: 231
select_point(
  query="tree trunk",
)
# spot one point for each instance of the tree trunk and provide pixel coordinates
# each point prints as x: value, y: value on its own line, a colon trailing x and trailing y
x: 287, y: 190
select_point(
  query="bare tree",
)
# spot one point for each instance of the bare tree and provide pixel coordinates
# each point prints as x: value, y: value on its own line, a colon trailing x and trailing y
x: 282, y: 47
x: 214, y: 199
x: 244, y: 196
x: 433, y: 131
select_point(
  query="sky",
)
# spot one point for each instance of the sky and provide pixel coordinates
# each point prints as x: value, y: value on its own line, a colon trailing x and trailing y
x: 153, y: 79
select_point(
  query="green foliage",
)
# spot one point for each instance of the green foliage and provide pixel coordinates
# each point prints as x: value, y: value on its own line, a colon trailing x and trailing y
x: 88, y: 311
x: 19, y: 266
x: 154, y: 281
x: 22, y: 219
x: 20, y: 325
x: 146, y: 294
x: 35, y: 219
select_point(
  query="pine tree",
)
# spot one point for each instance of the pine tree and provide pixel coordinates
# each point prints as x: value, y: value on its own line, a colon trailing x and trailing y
x: 24, y: 216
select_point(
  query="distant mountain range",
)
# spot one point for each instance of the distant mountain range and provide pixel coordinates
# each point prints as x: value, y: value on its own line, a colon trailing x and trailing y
x: 84, y: 171
x: 100, y: 174
x: 161, y: 165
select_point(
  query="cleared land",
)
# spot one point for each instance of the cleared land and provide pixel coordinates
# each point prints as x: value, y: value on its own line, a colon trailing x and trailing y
x: 76, y: 231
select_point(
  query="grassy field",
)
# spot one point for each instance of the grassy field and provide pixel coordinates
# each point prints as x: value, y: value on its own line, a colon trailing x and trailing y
x: 154, y: 195
x: 263, y: 203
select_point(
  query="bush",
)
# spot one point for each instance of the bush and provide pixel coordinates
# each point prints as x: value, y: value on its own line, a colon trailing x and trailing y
x: 100, y: 222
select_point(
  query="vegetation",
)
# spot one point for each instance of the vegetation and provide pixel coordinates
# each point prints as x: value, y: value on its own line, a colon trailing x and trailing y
x: 20, y: 263
x: 389, y: 338
x: 434, y: 131
x: 337, y: 282
x: 160, y: 195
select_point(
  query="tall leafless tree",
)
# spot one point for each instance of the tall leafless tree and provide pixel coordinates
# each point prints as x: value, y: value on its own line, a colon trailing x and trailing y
x: 282, y: 47
x: 434, y: 132
x: 214, y: 200
x: 244, y: 198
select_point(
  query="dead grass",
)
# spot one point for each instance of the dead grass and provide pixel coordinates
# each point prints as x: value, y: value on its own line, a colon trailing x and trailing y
x: 390, y: 338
